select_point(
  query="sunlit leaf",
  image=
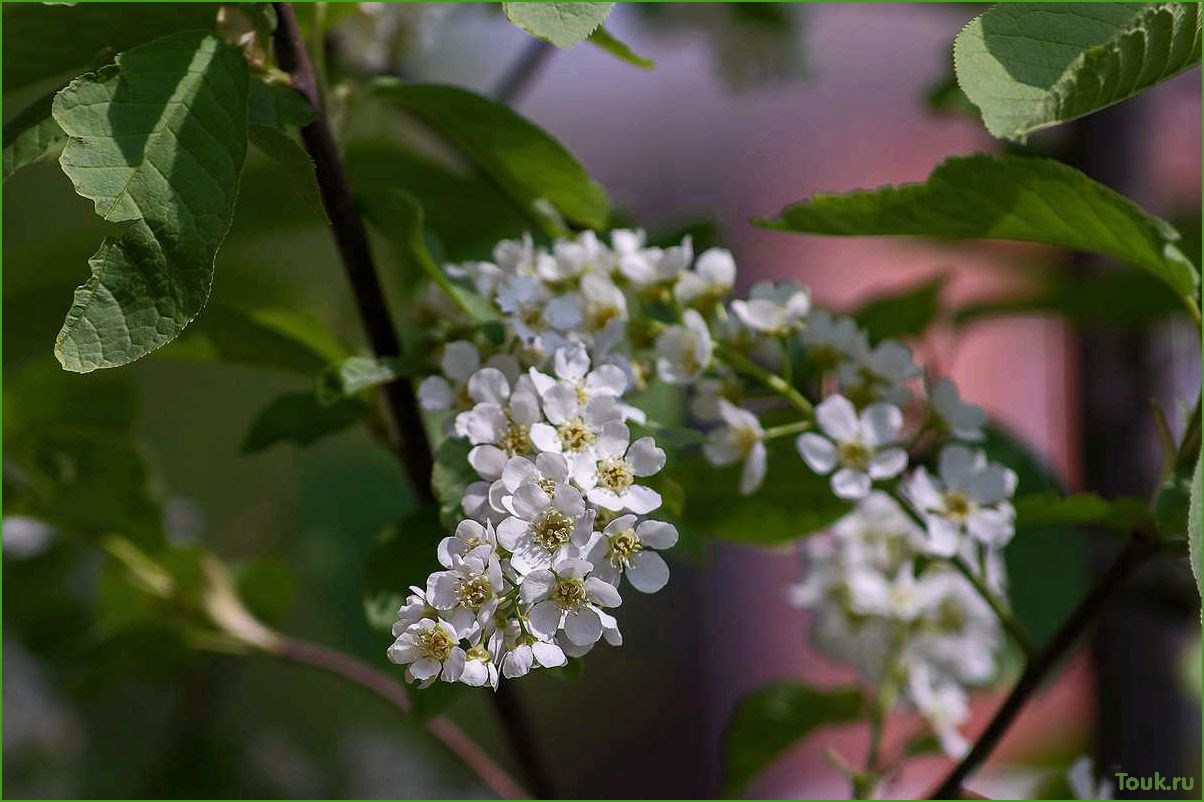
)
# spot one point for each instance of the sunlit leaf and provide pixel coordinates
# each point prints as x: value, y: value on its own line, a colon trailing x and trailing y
x: 562, y: 24
x: 31, y: 136
x: 901, y: 314
x: 605, y: 39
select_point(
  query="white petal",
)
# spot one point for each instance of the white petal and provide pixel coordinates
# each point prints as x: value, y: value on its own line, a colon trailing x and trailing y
x: 560, y: 404
x: 837, y: 416
x: 545, y: 438
x: 548, y: 654
x: 487, y: 460
x: 881, y: 424
x: 460, y: 360
x: 475, y: 673
x: 545, y: 619
x: 647, y: 572
x: 818, y: 452
x: 657, y: 534
x: 753, y: 472
x: 641, y: 500
x: 517, y: 662
x: 572, y: 363
x: 435, y: 393
x: 612, y: 440
x: 888, y: 463
x: 530, y: 501
x: 517, y: 472
x: 604, y: 569
x: 537, y: 586
x: 573, y: 567
x: 850, y: 484
x: 489, y: 386
x: 607, y: 380
x: 601, y: 593
x: 582, y: 627
x: 644, y: 457
x: 425, y: 668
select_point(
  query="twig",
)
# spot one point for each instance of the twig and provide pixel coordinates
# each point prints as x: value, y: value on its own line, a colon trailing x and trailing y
x: 339, y: 202
x: 518, y: 76
x: 1134, y: 554
x: 367, y: 677
x: 997, y: 605
x: 742, y: 364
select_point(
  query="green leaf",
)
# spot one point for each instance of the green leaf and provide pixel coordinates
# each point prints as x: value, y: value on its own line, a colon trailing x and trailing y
x: 301, y: 419
x: 525, y: 162
x: 1029, y: 66
x: 277, y: 105
x: 270, y: 337
x: 1004, y: 197
x: 1194, y: 528
x: 902, y: 314
x: 1172, y: 506
x: 157, y: 142
x: 355, y: 374
x: 604, y: 39
x: 793, y: 502
x: 404, y: 555
x: 31, y: 136
x: 292, y: 159
x: 772, y: 718
x: 450, y: 476
x: 1048, y: 508
x: 60, y: 40
x: 267, y: 586
x: 398, y: 216
x: 562, y: 24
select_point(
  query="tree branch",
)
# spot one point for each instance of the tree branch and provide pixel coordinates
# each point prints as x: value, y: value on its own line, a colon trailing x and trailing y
x: 1039, y: 667
x: 517, y: 77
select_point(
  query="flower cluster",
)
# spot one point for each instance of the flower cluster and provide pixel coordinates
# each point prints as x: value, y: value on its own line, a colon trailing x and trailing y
x: 559, y: 512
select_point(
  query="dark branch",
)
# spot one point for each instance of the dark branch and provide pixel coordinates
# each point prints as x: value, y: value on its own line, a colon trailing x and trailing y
x: 518, y: 77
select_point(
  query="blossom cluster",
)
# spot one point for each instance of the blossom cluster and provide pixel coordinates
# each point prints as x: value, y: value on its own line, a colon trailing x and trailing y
x: 560, y: 512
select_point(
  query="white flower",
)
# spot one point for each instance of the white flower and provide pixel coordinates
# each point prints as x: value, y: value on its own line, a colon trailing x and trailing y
x: 1083, y: 782
x: 773, y: 310
x: 469, y: 536
x: 832, y: 340
x: 970, y: 498
x: 872, y: 592
x: 740, y: 438
x: 711, y: 279
x: 881, y: 373
x: 460, y: 361
x: 573, y: 425
x: 429, y: 648
x: 860, y: 448
x: 571, y: 366
x: 519, y: 661
x: 538, y: 318
x: 610, y: 634
x: 943, y: 705
x: 565, y: 597
x: 466, y: 594
x: 480, y: 662
x: 499, y: 426
x: 603, y: 304
x: 625, y: 547
x: 483, y: 276
x: 545, y: 526
x: 478, y: 505
x: 964, y: 421
x: 608, y: 477
x: 649, y: 267
x: 956, y: 631
x: 707, y: 392
x: 684, y: 352
x: 877, y: 533
x: 576, y: 258
x: 414, y: 610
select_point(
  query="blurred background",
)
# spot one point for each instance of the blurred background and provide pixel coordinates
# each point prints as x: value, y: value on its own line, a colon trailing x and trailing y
x: 747, y: 109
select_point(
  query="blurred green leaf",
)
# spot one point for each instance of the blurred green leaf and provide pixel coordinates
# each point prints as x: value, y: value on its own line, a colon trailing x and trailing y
x: 404, y: 555
x: 1022, y: 198
x: 301, y: 419
x: 31, y: 135
x: 1029, y: 66
x: 901, y: 314
x: 267, y: 586
x: 562, y: 24
x: 292, y: 160
x: 524, y: 160
x: 1050, y: 508
x: 49, y: 40
x: 450, y: 477
x: 277, y: 105
x: 355, y: 374
x: 270, y: 337
x: 157, y: 142
x: 774, y: 717
x: 604, y: 39
x: 1172, y: 505
x: 1194, y: 528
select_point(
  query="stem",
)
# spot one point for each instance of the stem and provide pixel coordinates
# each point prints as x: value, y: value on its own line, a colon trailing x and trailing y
x: 367, y: 677
x: 743, y: 364
x: 518, y: 76
x: 785, y: 430
x: 1001, y: 611
x: 414, y: 450
x: 1039, y: 667
x: 352, y: 241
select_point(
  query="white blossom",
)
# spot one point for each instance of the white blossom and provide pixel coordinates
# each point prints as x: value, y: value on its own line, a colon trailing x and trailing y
x: 651, y: 267
x: 544, y: 526
x: 684, y: 352
x: 970, y: 497
x: 429, y: 648
x: 466, y: 594
x: 564, y: 597
x: 832, y: 340
x: 964, y: 421
x: 943, y: 705
x: 859, y: 448
x: 880, y: 373
x: 740, y: 438
x: 773, y: 310
x: 710, y: 281
x: 609, y: 475
x: 625, y: 547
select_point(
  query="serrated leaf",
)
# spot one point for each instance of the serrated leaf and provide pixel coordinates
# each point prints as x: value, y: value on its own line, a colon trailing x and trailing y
x: 901, y: 314
x: 562, y: 24
x: 525, y: 162
x: 1021, y: 198
x: 404, y: 555
x: 1194, y: 528
x: 605, y: 39
x: 59, y: 40
x: 270, y: 337
x: 1029, y: 66
x: 355, y: 374
x: 157, y: 142
x: 301, y: 419
x: 1050, y: 508
x: 292, y: 159
x: 398, y: 216
x: 277, y: 105
x: 772, y: 718
x: 1172, y: 505
x: 31, y: 136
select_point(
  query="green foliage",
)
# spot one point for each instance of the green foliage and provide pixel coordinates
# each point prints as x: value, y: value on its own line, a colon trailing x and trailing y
x: 769, y: 720
x: 1194, y: 527
x: 30, y: 136
x: 902, y: 314
x: 293, y: 161
x: 300, y: 418
x: 1004, y: 197
x: 270, y: 337
x: 403, y: 554
x: 620, y: 50
x: 1029, y: 66
x: 450, y: 477
x: 792, y: 502
x: 356, y: 374
x: 562, y: 24
x: 1049, y: 508
x: 157, y: 142
x: 277, y: 105
x: 44, y: 41
x: 526, y: 163
x: 1173, y: 502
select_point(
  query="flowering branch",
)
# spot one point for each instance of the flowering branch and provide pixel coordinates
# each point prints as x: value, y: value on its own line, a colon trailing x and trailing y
x: 997, y: 605
x: 779, y: 385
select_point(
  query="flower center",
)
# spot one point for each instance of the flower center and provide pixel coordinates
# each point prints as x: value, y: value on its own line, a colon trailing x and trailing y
x: 532, y: 316
x: 826, y: 356
x: 436, y: 643
x: 950, y: 617
x: 602, y: 314
x: 547, y: 485
x: 569, y: 594
x: 854, y: 455
x: 746, y: 438
x: 957, y: 506
x: 473, y: 592
x: 478, y: 653
x: 552, y: 530
x: 516, y: 440
x: 623, y: 546
x: 615, y: 474
x: 575, y: 435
